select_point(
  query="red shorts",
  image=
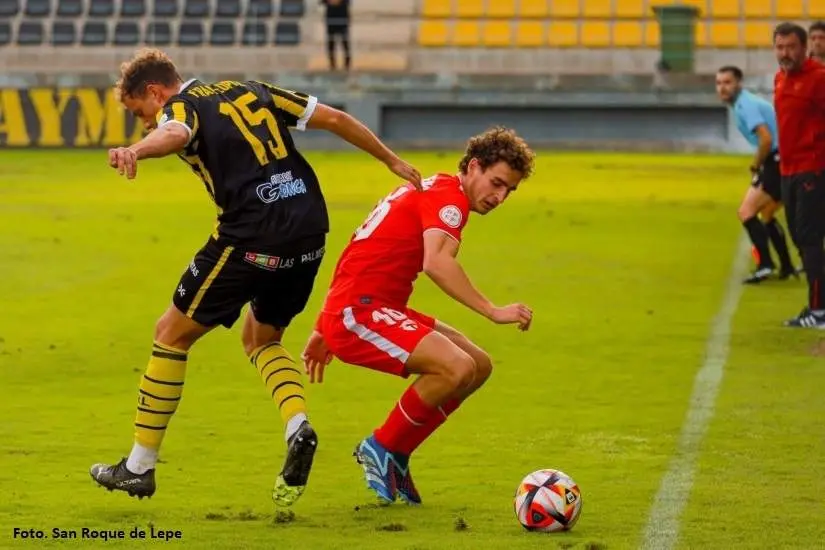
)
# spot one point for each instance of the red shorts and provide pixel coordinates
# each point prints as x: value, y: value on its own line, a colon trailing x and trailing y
x: 376, y: 337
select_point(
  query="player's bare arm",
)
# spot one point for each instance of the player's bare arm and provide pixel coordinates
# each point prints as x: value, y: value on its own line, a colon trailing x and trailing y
x: 355, y: 132
x: 166, y: 140
x: 765, y: 146
x: 441, y: 265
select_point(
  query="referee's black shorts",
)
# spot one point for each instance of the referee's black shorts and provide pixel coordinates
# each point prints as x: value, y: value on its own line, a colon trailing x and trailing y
x: 768, y: 177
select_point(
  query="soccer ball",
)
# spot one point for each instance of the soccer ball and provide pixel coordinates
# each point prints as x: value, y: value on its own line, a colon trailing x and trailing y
x: 548, y: 500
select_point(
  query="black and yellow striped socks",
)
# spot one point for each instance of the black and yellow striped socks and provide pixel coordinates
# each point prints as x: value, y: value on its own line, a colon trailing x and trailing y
x: 158, y: 397
x: 283, y: 381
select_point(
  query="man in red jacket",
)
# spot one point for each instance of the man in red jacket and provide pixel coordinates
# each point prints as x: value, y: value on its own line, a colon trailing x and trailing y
x: 799, y: 98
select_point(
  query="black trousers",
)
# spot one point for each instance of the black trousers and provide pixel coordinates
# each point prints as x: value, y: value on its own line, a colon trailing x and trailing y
x: 335, y: 33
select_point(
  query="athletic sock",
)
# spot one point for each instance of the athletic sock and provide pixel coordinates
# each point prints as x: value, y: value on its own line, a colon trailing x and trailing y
x: 777, y: 236
x: 410, y: 414
x: 759, y: 238
x: 437, y: 418
x: 284, y: 382
x: 160, y: 391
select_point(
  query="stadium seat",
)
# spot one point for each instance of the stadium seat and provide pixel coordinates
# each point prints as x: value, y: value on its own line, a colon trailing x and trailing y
x: 534, y: 8
x: 437, y: 8
x: 222, y: 33
x: 628, y: 34
x: 158, y: 33
x: 127, y: 33
x: 259, y: 8
x: 190, y: 33
x: 433, y: 32
x: 501, y: 8
x: 758, y: 34
x: 652, y: 31
x: 700, y: 37
x: 727, y: 9
x: 95, y: 33
x: 101, y: 8
x: 165, y: 8
x: 597, y: 8
x: 757, y: 9
x: 132, y: 8
x: 38, y: 8
x: 254, y: 33
x: 497, y: 34
x: 816, y: 10
x: 196, y: 8
x: 69, y: 8
x: 63, y: 33
x: 9, y: 8
x: 724, y: 34
x: 631, y: 9
x: 292, y: 8
x: 228, y: 8
x: 469, y: 8
x: 466, y: 33
x: 5, y: 33
x: 563, y: 34
x: 790, y: 9
x: 530, y: 34
x: 30, y: 33
x: 287, y: 33
x: 595, y: 34
x: 565, y: 8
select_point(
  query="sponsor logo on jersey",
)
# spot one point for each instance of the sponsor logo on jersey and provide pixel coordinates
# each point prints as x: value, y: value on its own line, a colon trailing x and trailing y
x: 280, y: 187
x: 451, y: 216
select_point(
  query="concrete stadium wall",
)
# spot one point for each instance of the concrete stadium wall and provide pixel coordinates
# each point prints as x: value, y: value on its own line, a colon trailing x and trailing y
x: 422, y: 118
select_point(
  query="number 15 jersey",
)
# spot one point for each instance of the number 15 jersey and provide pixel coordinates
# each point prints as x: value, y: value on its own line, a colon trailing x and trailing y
x: 266, y: 193
x: 386, y: 253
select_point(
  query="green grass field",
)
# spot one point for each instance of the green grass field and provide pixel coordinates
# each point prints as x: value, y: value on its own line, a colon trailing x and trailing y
x: 625, y: 260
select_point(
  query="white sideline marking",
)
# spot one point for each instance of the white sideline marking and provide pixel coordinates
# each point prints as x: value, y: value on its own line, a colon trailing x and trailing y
x: 662, y: 530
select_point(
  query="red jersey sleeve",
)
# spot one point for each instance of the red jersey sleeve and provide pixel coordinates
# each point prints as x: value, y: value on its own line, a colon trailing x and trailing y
x: 444, y: 210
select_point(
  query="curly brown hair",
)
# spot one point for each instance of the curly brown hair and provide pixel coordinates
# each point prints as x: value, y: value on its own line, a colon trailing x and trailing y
x: 148, y: 66
x: 499, y: 144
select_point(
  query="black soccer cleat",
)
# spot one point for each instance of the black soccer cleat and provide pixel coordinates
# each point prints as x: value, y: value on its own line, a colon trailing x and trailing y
x: 292, y: 480
x: 758, y: 276
x: 118, y: 477
x: 807, y: 319
x: 788, y: 272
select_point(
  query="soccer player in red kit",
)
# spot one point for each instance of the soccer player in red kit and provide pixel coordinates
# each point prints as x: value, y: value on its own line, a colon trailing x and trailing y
x: 365, y: 319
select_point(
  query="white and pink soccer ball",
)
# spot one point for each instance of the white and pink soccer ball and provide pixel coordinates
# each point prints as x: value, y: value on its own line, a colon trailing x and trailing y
x: 548, y: 500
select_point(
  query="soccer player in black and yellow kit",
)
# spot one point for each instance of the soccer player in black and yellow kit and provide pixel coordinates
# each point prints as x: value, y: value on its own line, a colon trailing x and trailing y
x: 265, y: 249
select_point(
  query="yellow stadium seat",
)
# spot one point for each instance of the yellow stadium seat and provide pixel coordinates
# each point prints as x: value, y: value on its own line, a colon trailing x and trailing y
x: 725, y: 8
x: 631, y: 9
x: 757, y: 9
x: 565, y: 8
x: 433, y: 33
x: 758, y: 34
x: 597, y: 8
x: 724, y: 34
x: 501, y: 8
x: 469, y: 8
x: 652, y: 34
x: 498, y: 34
x: 466, y: 33
x: 700, y: 37
x: 816, y: 10
x: 533, y: 8
x: 595, y: 34
x: 530, y: 34
x: 437, y: 8
x: 790, y: 9
x: 563, y: 34
x: 627, y: 34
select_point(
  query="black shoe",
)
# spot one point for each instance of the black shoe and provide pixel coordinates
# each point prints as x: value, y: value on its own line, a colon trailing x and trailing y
x: 759, y: 275
x: 119, y: 477
x: 788, y: 272
x: 807, y: 319
x: 292, y: 480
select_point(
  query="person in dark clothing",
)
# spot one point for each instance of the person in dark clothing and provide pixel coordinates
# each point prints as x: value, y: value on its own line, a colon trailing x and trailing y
x: 337, y: 27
